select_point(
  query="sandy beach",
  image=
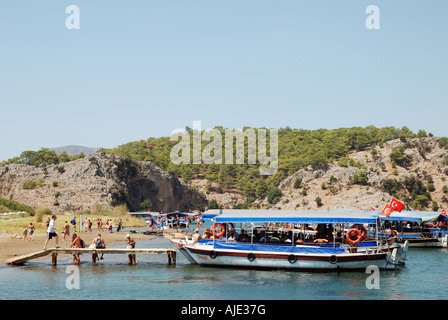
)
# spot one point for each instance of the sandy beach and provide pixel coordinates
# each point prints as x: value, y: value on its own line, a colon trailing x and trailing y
x: 11, y: 247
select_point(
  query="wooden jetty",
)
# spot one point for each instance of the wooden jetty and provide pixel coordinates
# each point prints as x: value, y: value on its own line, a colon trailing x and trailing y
x: 170, y: 252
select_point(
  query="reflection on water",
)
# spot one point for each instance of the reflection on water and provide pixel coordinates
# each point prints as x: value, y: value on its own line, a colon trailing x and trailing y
x: 152, y: 278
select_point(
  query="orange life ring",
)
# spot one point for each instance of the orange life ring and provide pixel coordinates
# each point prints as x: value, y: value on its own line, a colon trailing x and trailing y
x: 355, y: 232
x: 215, y: 232
x: 363, y: 230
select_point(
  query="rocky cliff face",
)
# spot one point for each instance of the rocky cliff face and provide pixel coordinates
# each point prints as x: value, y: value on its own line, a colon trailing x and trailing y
x: 99, y: 179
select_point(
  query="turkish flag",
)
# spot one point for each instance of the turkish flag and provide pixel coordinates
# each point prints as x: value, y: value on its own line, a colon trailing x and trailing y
x: 396, y: 205
x: 444, y: 212
x: 387, y: 210
x: 372, y: 209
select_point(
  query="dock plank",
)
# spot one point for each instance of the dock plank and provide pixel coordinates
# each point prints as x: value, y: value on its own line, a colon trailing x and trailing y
x: 27, y: 257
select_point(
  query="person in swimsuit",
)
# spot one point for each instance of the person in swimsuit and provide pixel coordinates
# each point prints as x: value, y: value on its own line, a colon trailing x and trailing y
x: 131, y: 245
x: 31, y: 230
x: 392, y: 237
x: 66, y: 231
x: 76, y: 243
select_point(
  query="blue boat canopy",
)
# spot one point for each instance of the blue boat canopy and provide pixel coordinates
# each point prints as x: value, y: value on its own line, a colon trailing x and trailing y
x: 292, y: 216
x: 415, y: 216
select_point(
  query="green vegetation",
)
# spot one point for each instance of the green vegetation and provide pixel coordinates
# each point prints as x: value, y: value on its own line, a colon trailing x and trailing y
x: 43, y: 158
x: 146, y: 205
x: 274, y: 195
x: 360, y: 178
x: 318, y: 201
x: 443, y: 142
x: 298, y: 183
x: 213, y: 204
x: 391, y: 186
x: 398, y: 157
x: 297, y: 148
x: 31, y: 184
x: 14, y: 206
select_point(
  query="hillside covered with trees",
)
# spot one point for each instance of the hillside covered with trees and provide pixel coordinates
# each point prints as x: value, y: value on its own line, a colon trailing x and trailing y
x: 314, y: 167
x: 297, y: 148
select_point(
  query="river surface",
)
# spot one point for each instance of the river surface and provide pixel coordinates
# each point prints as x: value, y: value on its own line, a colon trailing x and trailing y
x: 423, y: 278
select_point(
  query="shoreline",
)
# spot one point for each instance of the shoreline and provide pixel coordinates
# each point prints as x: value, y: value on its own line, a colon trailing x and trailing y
x: 11, y: 247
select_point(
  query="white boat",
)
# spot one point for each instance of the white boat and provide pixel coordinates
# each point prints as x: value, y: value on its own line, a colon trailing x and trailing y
x: 303, y: 256
x: 428, y: 229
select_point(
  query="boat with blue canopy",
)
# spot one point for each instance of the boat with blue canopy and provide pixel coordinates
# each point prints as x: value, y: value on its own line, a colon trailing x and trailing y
x: 419, y: 228
x: 299, y: 240
x: 169, y: 220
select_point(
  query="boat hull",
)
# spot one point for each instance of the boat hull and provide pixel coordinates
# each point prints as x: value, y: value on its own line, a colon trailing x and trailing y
x: 425, y: 242
x: 418, y: 240
x: 209, y: 256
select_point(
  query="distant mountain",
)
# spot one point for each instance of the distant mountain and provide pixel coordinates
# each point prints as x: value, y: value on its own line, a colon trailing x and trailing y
x: 72, y: 150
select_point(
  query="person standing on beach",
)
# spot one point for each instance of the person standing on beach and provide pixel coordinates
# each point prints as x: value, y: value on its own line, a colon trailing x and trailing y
x: 51, y: 232
x: 74, y: 224
x: 31, y: 228
x: 66, y: 231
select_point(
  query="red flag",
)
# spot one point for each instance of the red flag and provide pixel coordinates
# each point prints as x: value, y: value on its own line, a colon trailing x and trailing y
x: 387, y: 210
x: 444, y: 212
x: 396, y: 205
x: 372, y: 209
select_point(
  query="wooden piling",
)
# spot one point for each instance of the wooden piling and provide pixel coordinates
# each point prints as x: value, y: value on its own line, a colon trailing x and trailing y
x: 172, y: 257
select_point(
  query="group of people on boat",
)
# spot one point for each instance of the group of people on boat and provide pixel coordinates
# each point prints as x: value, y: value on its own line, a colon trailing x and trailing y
x: 280, y: 233
x: 173, y: 221
x: 320, y: 234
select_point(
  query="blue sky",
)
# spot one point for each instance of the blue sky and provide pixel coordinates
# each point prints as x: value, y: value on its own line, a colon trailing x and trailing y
x: 139, y: 69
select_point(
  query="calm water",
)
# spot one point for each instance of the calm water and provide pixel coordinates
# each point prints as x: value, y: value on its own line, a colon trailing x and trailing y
x: 424, y: 277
